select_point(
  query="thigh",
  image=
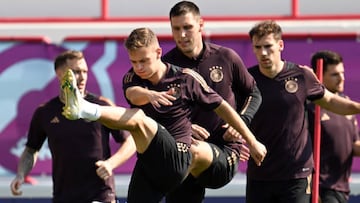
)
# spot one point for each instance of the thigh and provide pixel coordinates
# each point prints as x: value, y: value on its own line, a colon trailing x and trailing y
x: 202, y: 157
x: 166, y: 162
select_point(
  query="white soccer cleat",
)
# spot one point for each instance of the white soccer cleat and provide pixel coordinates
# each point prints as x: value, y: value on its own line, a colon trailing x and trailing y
x: 72, y: 96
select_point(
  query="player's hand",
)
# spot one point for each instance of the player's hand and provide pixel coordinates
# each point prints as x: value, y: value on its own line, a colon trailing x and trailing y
x: 199, y: 132
x: 16, y: 185
x: 161, y: 98
x: 244, y: 151
x: 231, y: 135
x: 104, y: 170
x: 258, y: 152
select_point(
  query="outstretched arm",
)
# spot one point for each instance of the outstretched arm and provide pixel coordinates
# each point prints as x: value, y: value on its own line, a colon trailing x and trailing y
x: 26, y: 163
x: 338, y: 104
x: 248, y: 110
x: 140, y: 96
x: 228, y: 114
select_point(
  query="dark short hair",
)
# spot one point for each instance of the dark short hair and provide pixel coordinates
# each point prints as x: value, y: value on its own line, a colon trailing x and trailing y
x: 61, y: 59
x: 329, y: 58
x: 184, y: 7
x: 264, y: 28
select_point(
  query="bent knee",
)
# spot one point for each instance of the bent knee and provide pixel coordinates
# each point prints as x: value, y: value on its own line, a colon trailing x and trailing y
x: 136, y: 118
x: 139, y: 114
x: 202, y: 153
x: 141, y: 123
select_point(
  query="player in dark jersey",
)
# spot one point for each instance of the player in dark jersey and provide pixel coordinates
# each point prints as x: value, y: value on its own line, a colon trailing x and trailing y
x: 81, y: 157
x: 164, y: 157
x: 340, y: 139
x: 281, y: 122
x: 224, y: 71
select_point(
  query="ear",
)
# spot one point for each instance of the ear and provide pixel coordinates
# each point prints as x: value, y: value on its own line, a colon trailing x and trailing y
x: 201, y: 23
x: 281, y: 45
x: 158, y: 52
x: 60, y: 72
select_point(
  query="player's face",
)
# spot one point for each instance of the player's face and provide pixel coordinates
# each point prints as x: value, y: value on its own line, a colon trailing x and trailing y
x: 80, y: 70
x: 267, y: 51
x: 145, y: 61
x: 187, y: 31
x: 333, y: 78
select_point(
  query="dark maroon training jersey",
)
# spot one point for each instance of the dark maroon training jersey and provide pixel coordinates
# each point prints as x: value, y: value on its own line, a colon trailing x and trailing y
x: 75, y: 147
x: 338, y: 134
x: 224, y: 72
x: 281, y: 123
x: 190, y: 90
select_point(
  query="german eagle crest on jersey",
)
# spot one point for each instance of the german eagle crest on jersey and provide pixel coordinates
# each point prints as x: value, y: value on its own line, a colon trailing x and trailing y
x: 216, y: 74
x: 291, y: 85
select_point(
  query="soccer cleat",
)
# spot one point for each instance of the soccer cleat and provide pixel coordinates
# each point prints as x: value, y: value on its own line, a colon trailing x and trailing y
x: 72, y: 96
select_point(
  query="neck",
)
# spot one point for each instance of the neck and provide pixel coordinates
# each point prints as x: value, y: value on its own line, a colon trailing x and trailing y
x: 196, y: 52
x: 273, y: 71
x: 159, y: 74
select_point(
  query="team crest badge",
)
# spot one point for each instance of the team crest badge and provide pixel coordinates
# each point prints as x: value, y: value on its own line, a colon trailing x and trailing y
x: 176, y: 91
x: 216, y: 74
x: 291, y: 85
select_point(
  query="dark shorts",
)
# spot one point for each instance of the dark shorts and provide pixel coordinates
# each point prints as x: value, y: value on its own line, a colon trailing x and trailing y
x: 294, y: 191
x: 333, y: 196
x: 223, y: 168
x: 162, y: 167
x: 221, y: 172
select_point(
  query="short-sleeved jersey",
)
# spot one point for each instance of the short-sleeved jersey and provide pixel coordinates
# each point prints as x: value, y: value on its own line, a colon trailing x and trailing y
x: 281, y: 123
x: 225, y: 72
x: 75, y: 146
x: 190, y: 90
x: 338, y: 134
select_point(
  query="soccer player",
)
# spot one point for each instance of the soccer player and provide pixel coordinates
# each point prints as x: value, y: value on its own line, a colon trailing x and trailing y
x: 281, y: 122
x: 340, y: 139
x: 224, y: 71
x: 81, y: 159
x: 165, y: 156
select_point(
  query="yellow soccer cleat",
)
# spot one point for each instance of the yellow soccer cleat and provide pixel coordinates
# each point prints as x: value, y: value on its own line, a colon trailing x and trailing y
x: 72, y: 96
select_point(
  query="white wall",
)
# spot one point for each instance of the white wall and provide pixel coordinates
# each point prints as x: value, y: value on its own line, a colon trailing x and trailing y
x: 160, y: 8
x: 141, y: 8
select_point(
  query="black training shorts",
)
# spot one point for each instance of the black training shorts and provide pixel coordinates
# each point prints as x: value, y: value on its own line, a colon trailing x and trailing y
x: 223, y: 168
x: 162, y: 167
